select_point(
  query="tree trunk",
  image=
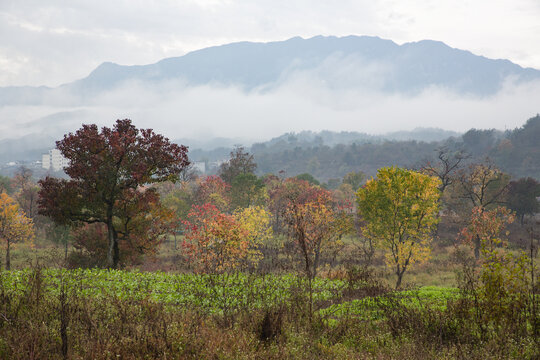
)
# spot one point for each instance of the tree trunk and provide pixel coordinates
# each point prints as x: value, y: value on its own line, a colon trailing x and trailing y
x: 477, y: 247
x: 112, y: 254
x: 399, y: 278
x: 8, y: 260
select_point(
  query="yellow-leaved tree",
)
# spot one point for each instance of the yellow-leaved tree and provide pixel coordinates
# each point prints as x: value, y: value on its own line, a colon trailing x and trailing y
x: 256, y: 223
x: 14, y: 225
x: 400, y: 209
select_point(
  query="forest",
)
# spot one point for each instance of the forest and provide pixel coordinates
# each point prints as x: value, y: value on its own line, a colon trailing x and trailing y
x: 332, y: 155
x: 291, y: 250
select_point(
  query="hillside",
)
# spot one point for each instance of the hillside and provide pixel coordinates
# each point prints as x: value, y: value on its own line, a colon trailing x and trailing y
x: 340, y: 62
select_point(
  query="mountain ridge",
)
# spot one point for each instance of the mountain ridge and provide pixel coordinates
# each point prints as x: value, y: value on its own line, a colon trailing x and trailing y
x: 337, y: 61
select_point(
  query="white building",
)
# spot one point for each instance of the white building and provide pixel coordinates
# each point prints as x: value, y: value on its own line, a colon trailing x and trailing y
x: 54, y: 160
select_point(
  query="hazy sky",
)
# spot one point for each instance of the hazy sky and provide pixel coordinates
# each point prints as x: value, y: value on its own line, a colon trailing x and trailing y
x: 57, y: 41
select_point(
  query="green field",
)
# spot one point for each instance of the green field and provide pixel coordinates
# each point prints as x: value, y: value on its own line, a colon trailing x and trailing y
x: 214, y: 294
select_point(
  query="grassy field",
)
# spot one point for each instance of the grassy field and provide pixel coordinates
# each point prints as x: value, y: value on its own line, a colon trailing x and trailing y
x: 158, y: 309
x: 111, y: 314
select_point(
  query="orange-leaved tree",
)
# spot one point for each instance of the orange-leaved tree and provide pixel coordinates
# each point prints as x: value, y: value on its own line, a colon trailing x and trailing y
x: 315, y: 224
x: 315, y: 221
x: 217, y: 242
x: 213, y: 190
x: 14, y: 225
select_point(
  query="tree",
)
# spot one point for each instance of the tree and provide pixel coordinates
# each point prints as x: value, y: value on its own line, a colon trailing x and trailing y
x: 106, y: 167
x: 445, y: 167
x: 315, y: 225
x: 256, y: 222
x: 479, y: 141
x: 400, y: 208
x: 217, y: 242
x: 484, y: 186
x: 522, y: 196
x: 14, y: 225
x: 504, y: 286
x: 309, y: 178
x: 5, y: 184
x: 355, y: 179
x: 179, y: 200
x: 59, y: 234
x: 247, y: 190
x: 241, y: 162
x: 26, y: 191
x: 141, y: 225
x: 487, y: 225
x: 283, y: 192
x: 213, y: 190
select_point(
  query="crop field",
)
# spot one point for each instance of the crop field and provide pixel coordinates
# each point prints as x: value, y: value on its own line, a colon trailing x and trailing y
x: 214, y: 293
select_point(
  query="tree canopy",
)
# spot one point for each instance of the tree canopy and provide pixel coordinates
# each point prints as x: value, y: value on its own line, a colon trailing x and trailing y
x: 399, y: 208
x: 108, y: 169
x: 14, y: 225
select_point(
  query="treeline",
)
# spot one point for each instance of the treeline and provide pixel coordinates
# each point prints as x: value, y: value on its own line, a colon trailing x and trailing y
x: 517, y: 152
x: 130, y: 189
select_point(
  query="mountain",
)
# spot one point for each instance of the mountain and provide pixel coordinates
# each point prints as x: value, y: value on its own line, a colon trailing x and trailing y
x: 365, y: 62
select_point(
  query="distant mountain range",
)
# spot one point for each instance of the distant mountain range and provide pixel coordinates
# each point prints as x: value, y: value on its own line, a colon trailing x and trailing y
x: 339, y: 62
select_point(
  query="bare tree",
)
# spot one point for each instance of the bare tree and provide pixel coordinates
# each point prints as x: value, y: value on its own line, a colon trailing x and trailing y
x: 446, y: 165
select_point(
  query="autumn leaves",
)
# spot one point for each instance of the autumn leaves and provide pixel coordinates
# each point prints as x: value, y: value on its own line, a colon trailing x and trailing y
x: 14, y: 225
x: 400, y: 212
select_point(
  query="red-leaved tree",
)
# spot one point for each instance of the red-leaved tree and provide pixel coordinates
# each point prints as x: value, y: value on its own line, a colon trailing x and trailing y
x: 104, y: 168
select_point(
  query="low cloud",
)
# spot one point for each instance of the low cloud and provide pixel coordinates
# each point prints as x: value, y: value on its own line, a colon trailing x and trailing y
x: 302, y: 102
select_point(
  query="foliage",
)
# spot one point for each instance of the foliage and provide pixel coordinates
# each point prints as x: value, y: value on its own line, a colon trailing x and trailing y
x: 315, y: 224
x: 26, y: 191
x: 213, y: 190
x: 179, y: 198
x: 217, y: 242
x: 487, y: 226
x: 104, y: 314
x: 14, y: 225
x: 522, y: 197
x: 309, y: 178
x: 256, y: 222
x: 503, y: 286
x: 480, y: 141
x: 399, y: 208
x: 247, y: 190
x: 240, y: 162
x: 105, y: 168
x: 519, y: 154
x: 354, y: 179
x: 140, y: 229
x: 482, y: 184
x: 5, y: 184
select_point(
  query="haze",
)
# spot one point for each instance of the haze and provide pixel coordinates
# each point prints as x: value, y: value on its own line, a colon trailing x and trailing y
x: 51, y: 44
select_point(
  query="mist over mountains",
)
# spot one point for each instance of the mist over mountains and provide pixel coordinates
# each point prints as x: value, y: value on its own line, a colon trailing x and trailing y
x: 339, y: 62
x: 247, y: 92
